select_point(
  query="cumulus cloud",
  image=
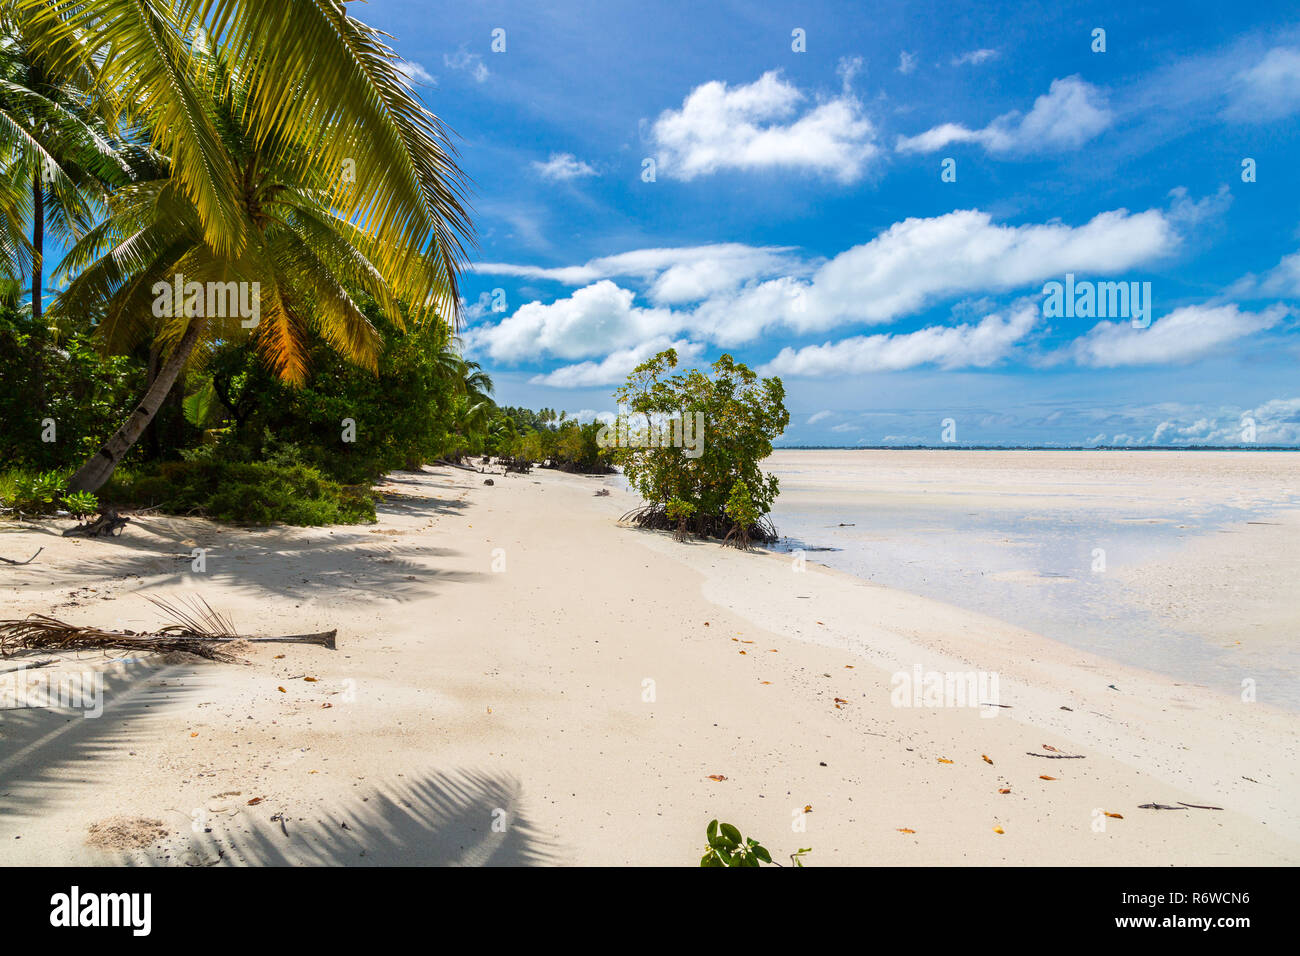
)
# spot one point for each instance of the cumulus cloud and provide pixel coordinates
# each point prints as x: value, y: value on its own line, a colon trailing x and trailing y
x: 1282, y: 280
x: 415, y: 73
x: 562, y: 167
x: 594, y: 320
x: 471, y: 63
x: 616, y: 366
x: 759, y: 126
x: 1183, y: 335
x: 959, y: 346
x: 731, y: 294
x: 917, y: 262
x: 906, y: 62
x: 1072, y: 112
x: 974, y: 57
x: 1268, y: 90
x: 675, y: 275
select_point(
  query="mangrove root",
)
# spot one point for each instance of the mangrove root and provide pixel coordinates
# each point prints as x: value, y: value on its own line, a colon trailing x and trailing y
x: 103, y: 526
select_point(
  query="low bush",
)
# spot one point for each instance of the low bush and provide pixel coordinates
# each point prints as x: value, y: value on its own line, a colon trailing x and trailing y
x: 261, y: 493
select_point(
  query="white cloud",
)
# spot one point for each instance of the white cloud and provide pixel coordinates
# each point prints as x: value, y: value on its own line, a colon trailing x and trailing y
x: 974, y: 57
x: 731, y: 293
x: 957, y: 346
x: 818, y: 416
x: 415, y: 73
x: 906, y: 62
x: 1282, y: 280
x: 1268, y: 90
x: 616, y: 366
x: 675, y: 275
x: 1067, y: 116
x: 1189, y: 212
x: 758, y: 127
x: 1183, y: 335
x: 471, y: 63
x: 594, y: 320
x: 920, y: 261
x: 564, y: 166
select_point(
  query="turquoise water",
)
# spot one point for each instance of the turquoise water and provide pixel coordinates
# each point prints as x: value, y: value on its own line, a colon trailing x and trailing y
x: 1040, y: 571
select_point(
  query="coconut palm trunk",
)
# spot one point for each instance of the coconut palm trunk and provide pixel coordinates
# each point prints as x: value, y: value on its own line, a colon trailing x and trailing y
x: 36, y: 351
x: 101, y: 465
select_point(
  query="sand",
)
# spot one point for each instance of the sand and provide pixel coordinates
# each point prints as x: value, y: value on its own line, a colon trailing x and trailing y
x: 519, y: 680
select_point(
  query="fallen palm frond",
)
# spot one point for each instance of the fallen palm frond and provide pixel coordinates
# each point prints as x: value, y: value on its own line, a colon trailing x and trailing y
x: 198, y: 629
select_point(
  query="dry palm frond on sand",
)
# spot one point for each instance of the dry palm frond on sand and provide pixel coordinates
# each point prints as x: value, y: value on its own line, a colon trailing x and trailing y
x: 198, y: 629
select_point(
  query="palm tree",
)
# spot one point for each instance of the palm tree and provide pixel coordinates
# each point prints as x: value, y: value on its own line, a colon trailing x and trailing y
x: 299, y: 257
x: 57, y: 161
x: 311, y: 73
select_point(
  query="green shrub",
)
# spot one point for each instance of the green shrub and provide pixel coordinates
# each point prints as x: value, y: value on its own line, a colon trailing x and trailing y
x: 43, y: 493
x: 715, y: 469
x: 246, y: 493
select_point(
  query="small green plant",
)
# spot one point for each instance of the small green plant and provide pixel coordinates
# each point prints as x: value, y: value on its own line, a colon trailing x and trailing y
x: 80, y: 503
x: 728, y: 848
x: 42, y: 493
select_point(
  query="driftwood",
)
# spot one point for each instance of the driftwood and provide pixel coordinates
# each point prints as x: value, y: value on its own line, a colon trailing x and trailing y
x: 28, y: 561
x: 198, y: 630
x: 102, y: 527
x: 1056, y: 756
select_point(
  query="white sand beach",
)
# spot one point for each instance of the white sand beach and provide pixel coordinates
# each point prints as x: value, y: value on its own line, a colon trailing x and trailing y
x: 520, y: 680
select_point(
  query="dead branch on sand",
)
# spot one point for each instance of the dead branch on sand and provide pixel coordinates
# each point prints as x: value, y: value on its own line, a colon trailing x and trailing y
x: 198, y: 630
x: 28, y: 561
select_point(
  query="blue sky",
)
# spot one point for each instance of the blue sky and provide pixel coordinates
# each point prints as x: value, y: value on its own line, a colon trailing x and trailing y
x: 798, y: 217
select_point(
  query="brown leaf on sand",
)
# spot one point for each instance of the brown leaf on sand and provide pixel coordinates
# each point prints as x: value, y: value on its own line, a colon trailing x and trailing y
x: 254, y: 802
x: 1005, y: 790
x: 840, y: 700
x: 311, y: 680
x: 849, y: 666
x: 808, y: 809
x: 195, y: 734
x: 1043, y: 776
x: 1051, y: 748
x: 277, y: 657
x: 999, y: 830
x: 742, y: 652
x: 986, y: 758
x: 282, y: 690
x: 326, y: 705
x: 904, y: 830
x: 717, y: 777
x: 1117, y: 816
x: 944, y: 760
x: 765, y: 682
